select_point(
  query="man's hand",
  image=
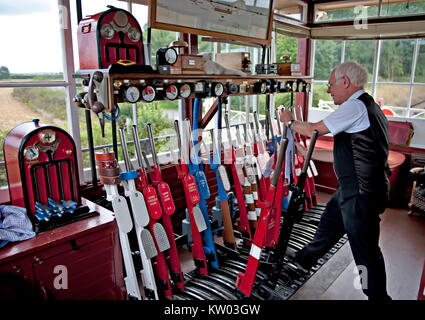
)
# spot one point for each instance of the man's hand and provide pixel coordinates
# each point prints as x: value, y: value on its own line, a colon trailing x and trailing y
x: 300, y: 149
x: 286, y: 116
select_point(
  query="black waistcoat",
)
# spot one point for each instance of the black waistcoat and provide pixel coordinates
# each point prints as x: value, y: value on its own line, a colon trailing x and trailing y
x: 360, y: 159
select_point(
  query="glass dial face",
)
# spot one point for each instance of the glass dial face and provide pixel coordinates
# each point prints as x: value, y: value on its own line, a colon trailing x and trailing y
x: 132, y: 94
x: 263, y: 87
x: 232, y: 88
x: 171, y: 92
x: 218, y: 89
x: 107, y: 31
x: 185, y: 91
x: 134, y: 34
x: 307, y: 87
x: 31, y: 153
x: 289, y: 85
x: 295, y: 86
x: 48, y: 136
x: 148, y: 94
x: 171, y: 56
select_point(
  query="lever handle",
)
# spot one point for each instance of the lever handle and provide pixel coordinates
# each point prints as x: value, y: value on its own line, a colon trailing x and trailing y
x: 278, y: 167
x: 313, y: 139
x: 124, y: 149
x: 152, y: 143
x: 137, y: 145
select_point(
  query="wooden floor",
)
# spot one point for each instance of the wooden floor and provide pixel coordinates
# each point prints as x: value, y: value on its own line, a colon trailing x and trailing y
x: 402, y: 243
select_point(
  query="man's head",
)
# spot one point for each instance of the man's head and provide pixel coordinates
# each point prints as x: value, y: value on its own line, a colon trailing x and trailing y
x: 346, y: 79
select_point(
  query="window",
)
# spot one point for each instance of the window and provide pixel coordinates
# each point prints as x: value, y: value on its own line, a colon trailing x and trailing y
x: 32, y: 83
x: 333, y: 11
x: 399, y: 80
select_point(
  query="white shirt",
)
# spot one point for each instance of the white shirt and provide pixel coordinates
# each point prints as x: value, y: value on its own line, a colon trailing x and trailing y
x: 350, y: 117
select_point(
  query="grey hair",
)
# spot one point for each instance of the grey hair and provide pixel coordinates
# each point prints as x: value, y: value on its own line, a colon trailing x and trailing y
x: 355, y: 72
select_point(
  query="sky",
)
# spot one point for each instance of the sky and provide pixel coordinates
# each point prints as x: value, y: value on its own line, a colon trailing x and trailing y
x: 30, y: 35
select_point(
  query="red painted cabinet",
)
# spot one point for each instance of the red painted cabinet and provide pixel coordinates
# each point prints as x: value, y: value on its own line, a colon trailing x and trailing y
x: 78, y: 261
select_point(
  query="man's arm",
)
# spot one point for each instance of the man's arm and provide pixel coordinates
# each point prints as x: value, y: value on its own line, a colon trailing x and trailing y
x: 304, y: 128
x: 325, y: 155
x: 307, y: 128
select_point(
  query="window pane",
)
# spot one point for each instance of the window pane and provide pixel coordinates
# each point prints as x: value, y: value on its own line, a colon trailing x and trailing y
x: 30, y: 38
x: 420, y: 63
x: 417, y: 108
x: 362, y: 52
x: 396, y: 60
x: 402, y: 8
x: 291, y: 9
x: 18, y: 105
x: 321, y: 99
x: 327, y: 56
x: 338, y: 12
x: 286, y: 46
x: 394, y: 98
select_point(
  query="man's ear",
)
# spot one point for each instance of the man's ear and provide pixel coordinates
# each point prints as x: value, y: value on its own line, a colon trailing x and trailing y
x: 346, y: 82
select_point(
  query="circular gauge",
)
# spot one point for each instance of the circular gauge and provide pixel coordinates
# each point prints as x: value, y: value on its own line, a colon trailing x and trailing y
x: 289, y: 85
x: 307, y: 87
x: 185, y: 91
x: 48, y: 136
x: 295, y: 86
x: 134, y: 34
x: 171, y: 92
x: 170, y: 55
x: 218, y: 89
x: 148, y: 94
x: 166, y: 56
x: 31, y: 153
x: 272, y: 86
x: 132, y: 94
x: 232, y: 88
x: 106, y: 31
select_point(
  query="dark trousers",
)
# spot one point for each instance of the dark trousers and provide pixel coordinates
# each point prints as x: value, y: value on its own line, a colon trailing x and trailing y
x: 358, y: 216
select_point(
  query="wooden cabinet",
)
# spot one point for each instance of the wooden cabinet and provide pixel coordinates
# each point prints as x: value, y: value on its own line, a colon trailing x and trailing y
x: 77, y: 261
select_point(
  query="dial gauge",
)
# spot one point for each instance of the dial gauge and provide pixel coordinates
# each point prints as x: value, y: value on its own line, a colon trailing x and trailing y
x: 148, y: 94
x: 263, y: 88
x: 232, y: 88
x: 132, y: 94
x: 166, y: 56
x: 185, y: 91
x: 107, y: 31
x: 307, y: 87
x: 31, y: 153
x: 171, y: 55
x: 48, y: 136
x: 218, y: 89
x: 171, y: 92
x: 295, y: 86
x: 134, y: 34
x: 289, y: 85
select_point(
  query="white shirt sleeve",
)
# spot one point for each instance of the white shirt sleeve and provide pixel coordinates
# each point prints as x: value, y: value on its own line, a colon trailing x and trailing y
x: 350, y: 117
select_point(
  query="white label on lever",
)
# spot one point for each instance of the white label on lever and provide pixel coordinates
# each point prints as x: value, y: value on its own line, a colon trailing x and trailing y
x: 122, y: 214
x: 138, y: 206
x: 224, y: 179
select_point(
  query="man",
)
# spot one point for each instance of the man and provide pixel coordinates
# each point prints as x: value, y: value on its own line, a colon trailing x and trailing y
x: 361, y: 147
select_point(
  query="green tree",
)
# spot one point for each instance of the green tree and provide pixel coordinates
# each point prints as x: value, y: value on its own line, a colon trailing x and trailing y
x: 159, y: 39
x: 4, y: 73
x: 286, y: 46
